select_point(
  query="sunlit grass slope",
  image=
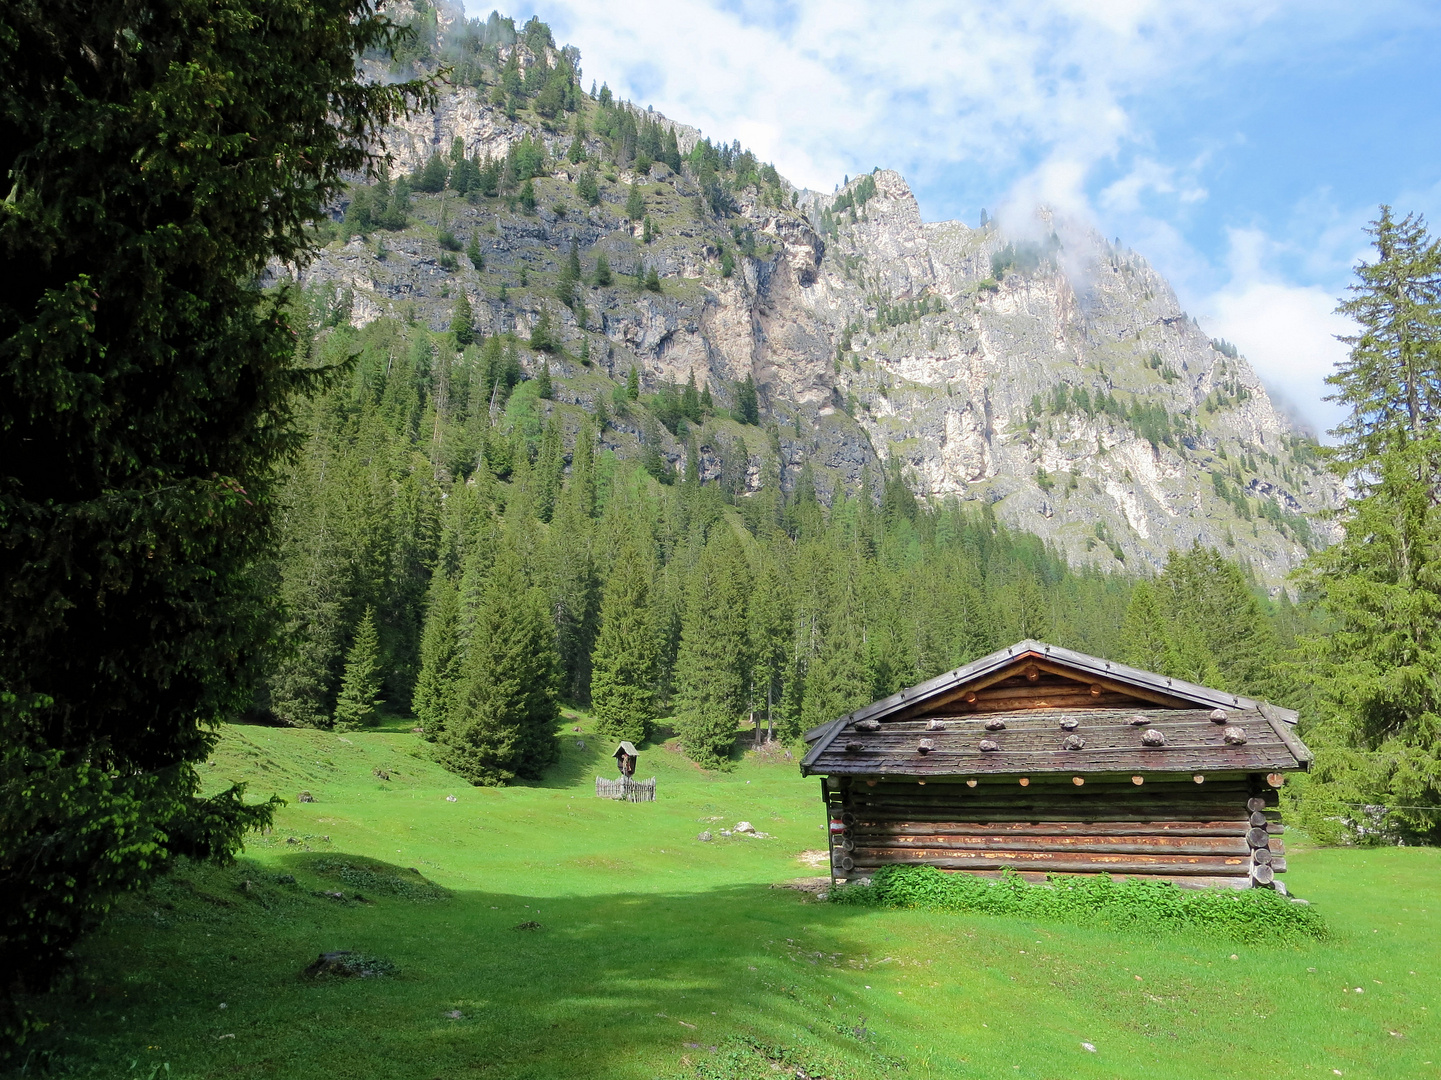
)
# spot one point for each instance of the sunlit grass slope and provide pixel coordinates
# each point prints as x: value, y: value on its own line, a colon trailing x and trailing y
x: 658, y: 955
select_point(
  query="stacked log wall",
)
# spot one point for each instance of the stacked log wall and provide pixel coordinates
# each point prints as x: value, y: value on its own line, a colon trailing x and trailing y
x: 1224, y: 830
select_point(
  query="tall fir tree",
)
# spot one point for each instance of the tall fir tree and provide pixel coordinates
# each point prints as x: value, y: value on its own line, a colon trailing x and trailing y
x: 360, y: 686
x: 623, y: 665
x: 711, y: 667
x: 1390, y: 381
x: 439, y: 657
x: 502, y: 722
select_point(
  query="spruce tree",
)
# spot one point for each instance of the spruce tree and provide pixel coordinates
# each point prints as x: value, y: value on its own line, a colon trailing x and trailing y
x: 439, y: 656
x: 652, y: 280
x: 747, y: 401
x: 711, y: 665
x: 588, y: 187
x: 360, y: 688
x: 544, y: 387
x: 542, y: 335
x: 462, y: 321
x: 1391, y: 378
x: 602, y: 271
x: 690, y: 400
x: 622, y: 681
x: 634, y: 203
x: 473, y: 252
x: 632, y: 384
x: 527, y: 196
x: 502, y: 723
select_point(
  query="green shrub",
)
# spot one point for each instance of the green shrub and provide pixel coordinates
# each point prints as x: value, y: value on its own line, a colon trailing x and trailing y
x: 1246, y: 915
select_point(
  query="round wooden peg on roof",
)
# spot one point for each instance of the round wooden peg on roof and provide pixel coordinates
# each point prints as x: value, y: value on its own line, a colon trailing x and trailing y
x: 1025, y: 781
x: 1138, y: 780
x: 970, y: 783
x: 1078, y: 780
x: 1275, y: 779
x: 1198, y: 778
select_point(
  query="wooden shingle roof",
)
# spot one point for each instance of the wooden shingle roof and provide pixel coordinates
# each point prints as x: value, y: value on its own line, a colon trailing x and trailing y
x: 1035, y: 708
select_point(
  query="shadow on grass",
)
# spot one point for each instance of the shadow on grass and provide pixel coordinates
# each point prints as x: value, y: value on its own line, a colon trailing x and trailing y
x: 205, y: 972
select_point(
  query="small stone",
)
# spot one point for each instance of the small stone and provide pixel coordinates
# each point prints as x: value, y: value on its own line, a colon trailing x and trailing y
x: 1074, y: 742
x: 854, y: 747
x: 1139, y: 721
x: 305, y: 796
x: 935, y: 725
x: 1088, y: 1046
x: 1235, y: 736
x: 1152, y: 737
x: 1070, y: 724
x: 868, y: 725
x: 995, y: 725
x: 450, y: 798
x: 705, y: 837
x: 380, y: 774
x: 725, y: 832
x: 989, y: 746
x: 925, y: 746
x: 454, y: 1014
x: 744, y: 827
x: 1218, y: 716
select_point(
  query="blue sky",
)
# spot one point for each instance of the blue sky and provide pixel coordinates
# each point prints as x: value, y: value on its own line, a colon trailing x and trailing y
x: 1240, y: 146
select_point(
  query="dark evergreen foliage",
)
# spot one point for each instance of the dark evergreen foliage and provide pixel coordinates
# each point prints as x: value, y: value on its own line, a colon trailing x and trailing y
x: 153, y: 171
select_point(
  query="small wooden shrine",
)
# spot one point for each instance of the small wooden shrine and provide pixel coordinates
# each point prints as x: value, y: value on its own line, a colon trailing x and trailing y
x: 1043, y: 760
x: 625, y: 758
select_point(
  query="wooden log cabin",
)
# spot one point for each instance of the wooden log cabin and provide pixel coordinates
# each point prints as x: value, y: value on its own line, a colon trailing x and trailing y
x: 1043, y: 760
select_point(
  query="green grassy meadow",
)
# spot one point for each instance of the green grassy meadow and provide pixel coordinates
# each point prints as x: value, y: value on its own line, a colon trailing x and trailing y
x: 658, y: 955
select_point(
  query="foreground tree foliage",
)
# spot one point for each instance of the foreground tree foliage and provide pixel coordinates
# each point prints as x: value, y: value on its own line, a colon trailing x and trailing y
x: 156, y: 156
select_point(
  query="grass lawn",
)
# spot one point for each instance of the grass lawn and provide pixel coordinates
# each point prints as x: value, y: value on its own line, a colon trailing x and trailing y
x: 658, y: 955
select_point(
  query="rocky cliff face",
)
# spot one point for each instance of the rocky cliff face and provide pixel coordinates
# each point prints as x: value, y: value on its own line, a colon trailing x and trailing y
x: 1046, y: 373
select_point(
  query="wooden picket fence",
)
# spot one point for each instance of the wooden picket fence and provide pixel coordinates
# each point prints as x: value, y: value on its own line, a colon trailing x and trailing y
x: 625, y: 788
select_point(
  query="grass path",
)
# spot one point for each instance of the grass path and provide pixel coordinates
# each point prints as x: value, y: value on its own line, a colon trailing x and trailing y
x: 658, y: 955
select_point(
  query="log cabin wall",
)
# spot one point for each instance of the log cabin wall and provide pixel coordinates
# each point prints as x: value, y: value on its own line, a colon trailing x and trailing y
x: 1224, y: 831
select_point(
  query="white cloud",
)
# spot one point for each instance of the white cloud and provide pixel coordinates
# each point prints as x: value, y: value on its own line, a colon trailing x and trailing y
x: 825, y: 89
x: 1287, y: 331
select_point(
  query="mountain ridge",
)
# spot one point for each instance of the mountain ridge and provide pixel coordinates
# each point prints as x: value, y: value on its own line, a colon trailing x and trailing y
x: 1051, y: 376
